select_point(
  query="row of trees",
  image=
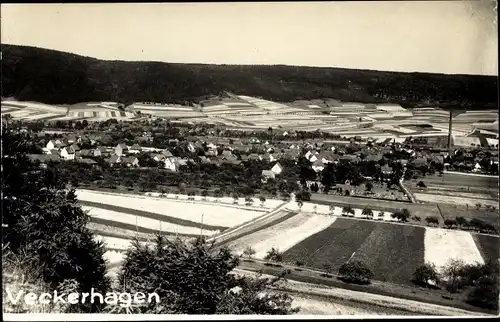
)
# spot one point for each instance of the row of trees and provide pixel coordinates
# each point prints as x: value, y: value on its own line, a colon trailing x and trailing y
x: 480, y: 280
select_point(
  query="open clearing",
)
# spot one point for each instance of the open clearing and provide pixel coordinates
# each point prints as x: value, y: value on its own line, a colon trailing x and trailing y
x: 442, y: 245
x: 391, y: 251
x: 212, y: 214
x: 282, y: 235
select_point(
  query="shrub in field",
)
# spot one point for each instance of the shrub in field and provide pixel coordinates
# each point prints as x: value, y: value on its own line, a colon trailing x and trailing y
x: 355, y: 271
x: 274, y: 255
x: 452, y: 275
x: 426, y: 275
x: 195, y: 278
x: 204, y: 194
x: 432, y: 220
x: 299, y: 263
x: 476, y: 224
x: 485, y: 294
x: 367, y: 212
x: 249, y: 252
x: 347, y: 210
x: 449, y: 223
x: 300, y: 204
x: 381, y: 215
x: 369, y: 186
x: 401, y: 215
x: 416, y: 218
x: 461, y: 222
x: 331, y: 208
x: 262, y: 200
x: 421, y: 184
x: 248, y: 201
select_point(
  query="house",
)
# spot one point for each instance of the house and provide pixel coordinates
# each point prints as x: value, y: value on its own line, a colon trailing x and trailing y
x: 51, y: 145
x: 277, y: 168
x: 318, y: 165
x: 226, y: 153
x: 115, y: 159
x: 75, y: 147
x: 83, y: 153
x: 420, y: 162
x: 253, y: 156
x: 135, y: 149
x: 191, y: 148
x: 88, y: 161
x: 121, y: 149
x: 494, y: 160
x: 313, y: 158
x: 96, y: 152
x: 477, y: 167
x: 159, y: 158
x: 55, y: 152
x: 386, y: 169
x: 267, y: 174
x: 131, y: 161
x: 167, y: 154
x: 68, y: 153
x: 170, y: 164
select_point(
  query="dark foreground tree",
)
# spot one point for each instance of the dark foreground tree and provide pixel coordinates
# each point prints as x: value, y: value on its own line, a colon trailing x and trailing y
x: 195, y: 278
x: 45, y: 223
x: 355, y: 271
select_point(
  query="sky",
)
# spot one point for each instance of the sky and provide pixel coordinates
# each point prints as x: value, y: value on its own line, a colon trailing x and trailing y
x: 451, y: 37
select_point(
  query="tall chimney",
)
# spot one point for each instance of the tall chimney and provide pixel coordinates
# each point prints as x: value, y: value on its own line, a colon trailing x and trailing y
x: 449, y: 132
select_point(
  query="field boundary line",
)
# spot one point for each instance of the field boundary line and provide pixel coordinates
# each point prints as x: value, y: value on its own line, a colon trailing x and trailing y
x: 253, y: 221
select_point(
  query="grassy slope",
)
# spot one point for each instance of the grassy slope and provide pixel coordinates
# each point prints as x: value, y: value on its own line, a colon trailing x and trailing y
x: 48, y: 76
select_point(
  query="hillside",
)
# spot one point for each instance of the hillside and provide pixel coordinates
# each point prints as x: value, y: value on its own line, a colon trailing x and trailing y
x: 48, y: 76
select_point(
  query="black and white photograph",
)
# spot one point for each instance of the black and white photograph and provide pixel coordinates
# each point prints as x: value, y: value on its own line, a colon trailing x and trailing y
x: 247, y: 160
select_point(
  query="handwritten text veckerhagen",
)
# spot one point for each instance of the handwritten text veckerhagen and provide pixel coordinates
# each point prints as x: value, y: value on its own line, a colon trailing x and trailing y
x: 123, y: 299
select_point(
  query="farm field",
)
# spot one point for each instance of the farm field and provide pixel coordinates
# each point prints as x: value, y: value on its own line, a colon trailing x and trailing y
x: 214, y: 215
x: 147, y: 223
x: 442, y: 245
x: 393, y: 252
x: 463, y: 200
x: 422, y: 210
x: 488, y: 246
x: 282, y: 235
x: 458, y: 180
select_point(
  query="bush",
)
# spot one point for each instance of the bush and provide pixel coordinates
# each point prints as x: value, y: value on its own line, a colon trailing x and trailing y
x: 355, y: 272
x: 274, y: 255
x: 432, y: 220
x: 485, y: 294
x: 426, y: 275
x: 367, y: 212
x: 249, y: 252
x: 347, y: 210
x: 449, y: 223
x: 421, y: 184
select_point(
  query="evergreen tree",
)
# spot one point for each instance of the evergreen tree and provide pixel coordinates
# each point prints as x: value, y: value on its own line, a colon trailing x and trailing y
x: 44, y: 222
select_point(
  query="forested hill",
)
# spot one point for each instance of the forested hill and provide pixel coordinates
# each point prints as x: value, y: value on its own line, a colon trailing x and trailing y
x: 49, y: 76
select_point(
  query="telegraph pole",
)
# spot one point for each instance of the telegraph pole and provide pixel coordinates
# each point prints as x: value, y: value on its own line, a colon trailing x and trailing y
x: 201, y: 227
